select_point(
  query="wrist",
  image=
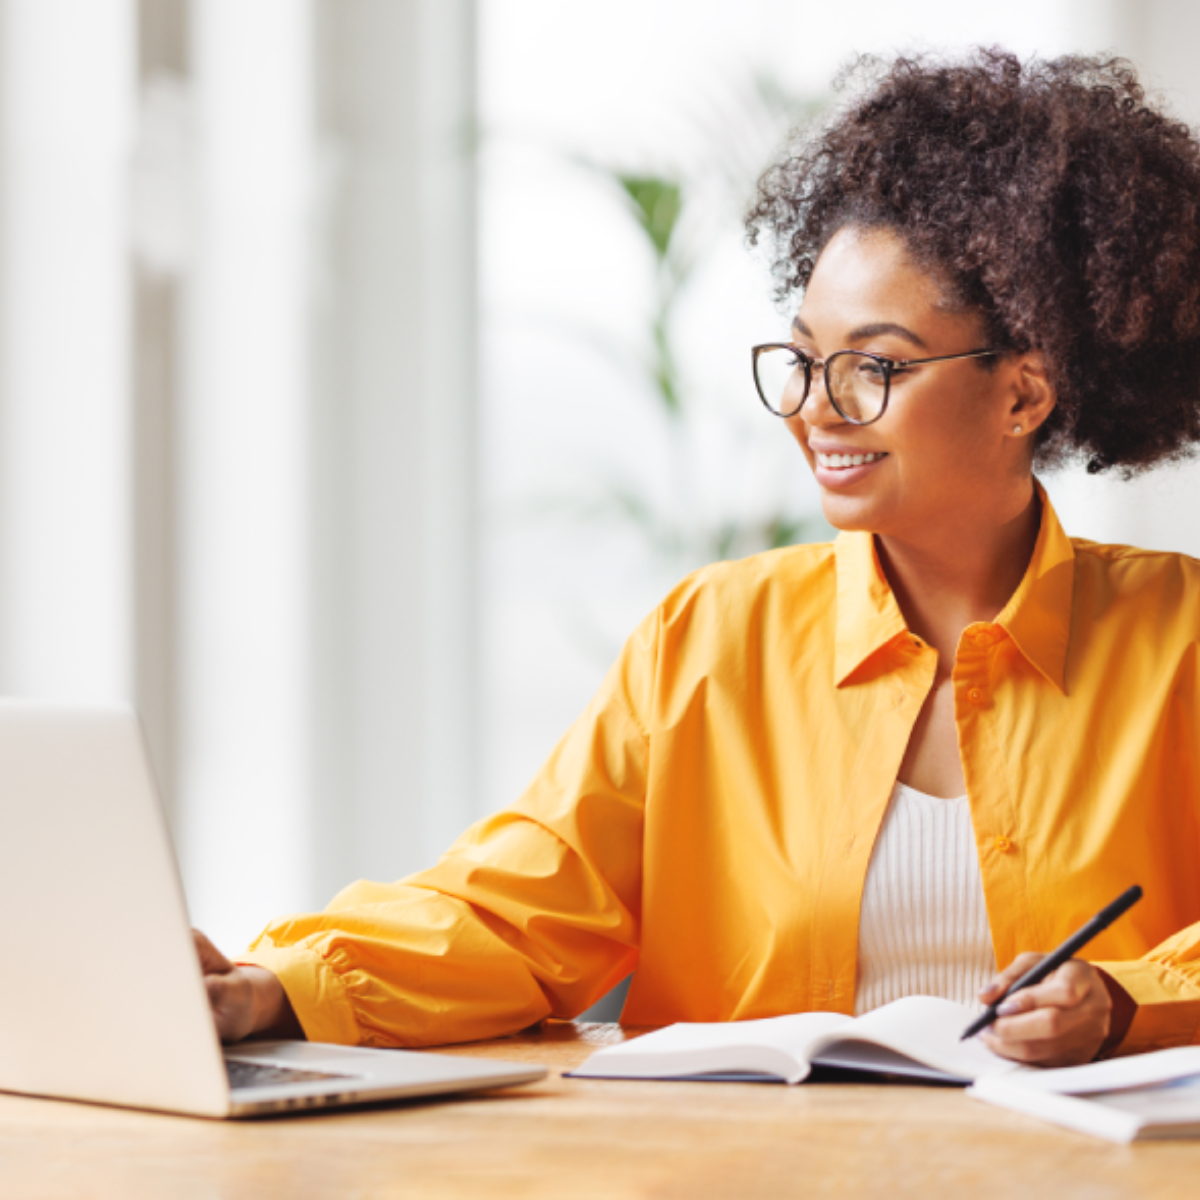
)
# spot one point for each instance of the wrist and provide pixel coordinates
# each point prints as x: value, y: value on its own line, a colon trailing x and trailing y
x: 268, y: 1000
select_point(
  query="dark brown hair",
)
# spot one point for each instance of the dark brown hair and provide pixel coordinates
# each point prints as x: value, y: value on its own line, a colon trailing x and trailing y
x: 1047, y: 196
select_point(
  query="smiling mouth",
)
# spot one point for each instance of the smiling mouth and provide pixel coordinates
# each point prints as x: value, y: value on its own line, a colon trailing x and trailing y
x: 839, y: 462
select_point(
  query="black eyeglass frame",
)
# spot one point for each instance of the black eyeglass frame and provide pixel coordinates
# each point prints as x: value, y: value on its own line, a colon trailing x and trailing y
x: 890, y: 367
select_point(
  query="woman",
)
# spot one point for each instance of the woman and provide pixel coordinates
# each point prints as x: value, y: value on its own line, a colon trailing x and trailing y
x: 827, y: 776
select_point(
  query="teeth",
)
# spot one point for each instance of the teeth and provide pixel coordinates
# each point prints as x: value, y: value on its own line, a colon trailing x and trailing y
x: 841, y: 461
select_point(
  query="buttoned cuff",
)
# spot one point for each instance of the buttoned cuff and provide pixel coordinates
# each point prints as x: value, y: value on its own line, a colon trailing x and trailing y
x: 318, y: 996
x: 1168, y: 1006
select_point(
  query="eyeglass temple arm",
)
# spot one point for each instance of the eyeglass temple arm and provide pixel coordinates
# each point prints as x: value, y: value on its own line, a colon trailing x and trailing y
x: 915, y: 362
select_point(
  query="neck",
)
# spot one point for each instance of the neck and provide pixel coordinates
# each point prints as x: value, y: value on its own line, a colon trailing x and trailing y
x: 945, y: 583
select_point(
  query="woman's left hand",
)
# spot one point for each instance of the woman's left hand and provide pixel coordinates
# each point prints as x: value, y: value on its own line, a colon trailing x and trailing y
x: 1060, y: 1022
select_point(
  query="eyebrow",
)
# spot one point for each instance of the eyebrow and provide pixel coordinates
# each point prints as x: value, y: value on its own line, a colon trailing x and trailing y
x: 877, y: 329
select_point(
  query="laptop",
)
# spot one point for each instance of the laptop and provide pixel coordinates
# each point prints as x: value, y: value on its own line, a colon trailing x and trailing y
x: 102, y: 998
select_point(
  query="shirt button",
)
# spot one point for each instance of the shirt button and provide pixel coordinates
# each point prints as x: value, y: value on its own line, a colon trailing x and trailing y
x: 975, y: 696
x: 1003, y: 845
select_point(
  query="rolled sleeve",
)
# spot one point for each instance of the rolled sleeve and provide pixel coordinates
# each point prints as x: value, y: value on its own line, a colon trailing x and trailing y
x: 317, y: 995
x: 1165, y: 985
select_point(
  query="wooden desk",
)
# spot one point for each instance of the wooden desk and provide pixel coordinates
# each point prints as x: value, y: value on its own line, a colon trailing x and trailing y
x: 587, y: 1138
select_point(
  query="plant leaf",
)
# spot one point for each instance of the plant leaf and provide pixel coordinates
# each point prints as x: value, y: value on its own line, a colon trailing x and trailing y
x: 657, y: 204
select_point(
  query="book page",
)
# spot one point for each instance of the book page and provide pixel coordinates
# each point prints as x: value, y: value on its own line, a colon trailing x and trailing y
x: 923, y: 1028
x: 775, y: 1046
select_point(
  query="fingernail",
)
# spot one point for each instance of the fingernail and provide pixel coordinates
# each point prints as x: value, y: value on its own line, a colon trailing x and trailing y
x: 1009, y: 1007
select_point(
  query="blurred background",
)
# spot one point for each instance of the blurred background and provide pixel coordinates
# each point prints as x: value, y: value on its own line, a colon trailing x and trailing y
x: 369, y: 367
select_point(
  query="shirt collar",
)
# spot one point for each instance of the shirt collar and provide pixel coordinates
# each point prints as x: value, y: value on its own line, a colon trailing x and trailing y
x: 1037, y: 616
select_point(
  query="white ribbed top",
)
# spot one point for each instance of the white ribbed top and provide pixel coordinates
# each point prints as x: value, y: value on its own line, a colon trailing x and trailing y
x: 923, y: 928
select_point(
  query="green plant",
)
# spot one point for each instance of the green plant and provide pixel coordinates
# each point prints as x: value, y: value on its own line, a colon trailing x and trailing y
x: 678, y: 211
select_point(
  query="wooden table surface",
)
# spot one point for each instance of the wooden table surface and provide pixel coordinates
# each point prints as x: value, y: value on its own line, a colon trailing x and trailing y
x: 584, y: 1138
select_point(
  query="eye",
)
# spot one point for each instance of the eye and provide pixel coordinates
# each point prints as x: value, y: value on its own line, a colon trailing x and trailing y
x: 871, y: 371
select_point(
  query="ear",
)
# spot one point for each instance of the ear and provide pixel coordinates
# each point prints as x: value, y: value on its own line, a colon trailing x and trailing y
x: 1033, y: 395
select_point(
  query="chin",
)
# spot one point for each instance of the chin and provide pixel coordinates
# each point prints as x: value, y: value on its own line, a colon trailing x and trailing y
x: 849, y: 514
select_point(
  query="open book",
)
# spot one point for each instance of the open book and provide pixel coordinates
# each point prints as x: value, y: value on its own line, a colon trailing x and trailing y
x: 1144, y: 1096
x: 917, y: 1037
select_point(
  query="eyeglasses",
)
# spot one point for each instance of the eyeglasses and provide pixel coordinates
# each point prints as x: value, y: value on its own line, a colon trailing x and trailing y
x: 856, y: 381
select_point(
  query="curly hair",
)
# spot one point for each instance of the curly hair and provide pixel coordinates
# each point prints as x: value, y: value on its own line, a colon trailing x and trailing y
x: 1048, y: 197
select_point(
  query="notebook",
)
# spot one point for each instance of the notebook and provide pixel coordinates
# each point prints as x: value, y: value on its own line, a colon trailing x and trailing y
x: 103, y: 999
x: 1143, y: 1096
x: 913, y: 1038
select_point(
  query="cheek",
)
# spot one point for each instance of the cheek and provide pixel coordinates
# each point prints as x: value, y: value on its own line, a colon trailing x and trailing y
x: 968, y: 440
x: 952, y: 434
x: 798, y: 428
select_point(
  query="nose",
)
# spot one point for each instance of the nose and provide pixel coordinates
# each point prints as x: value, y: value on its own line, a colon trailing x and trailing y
x: 815, y: 413
x: 818, y: 408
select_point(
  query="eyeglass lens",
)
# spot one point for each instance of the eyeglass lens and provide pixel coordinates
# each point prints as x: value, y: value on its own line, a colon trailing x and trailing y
x: 858, y: 383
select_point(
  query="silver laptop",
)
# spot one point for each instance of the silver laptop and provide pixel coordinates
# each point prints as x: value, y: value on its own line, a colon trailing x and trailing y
x: 101, y: 996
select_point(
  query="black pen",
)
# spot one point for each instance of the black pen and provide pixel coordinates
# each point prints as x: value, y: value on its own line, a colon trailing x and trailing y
x: 1100, y: 922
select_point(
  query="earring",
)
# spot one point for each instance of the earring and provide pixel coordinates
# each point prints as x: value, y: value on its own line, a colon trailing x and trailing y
x: 1016, y: 429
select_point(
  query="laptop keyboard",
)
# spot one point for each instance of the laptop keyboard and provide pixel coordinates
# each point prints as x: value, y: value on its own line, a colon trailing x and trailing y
x: 244, y: 1074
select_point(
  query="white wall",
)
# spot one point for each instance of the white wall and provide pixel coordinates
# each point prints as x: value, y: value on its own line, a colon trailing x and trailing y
x: 328, y: 615
x: 394, y: 501
x: 244, y: 733
x: 66, y: 127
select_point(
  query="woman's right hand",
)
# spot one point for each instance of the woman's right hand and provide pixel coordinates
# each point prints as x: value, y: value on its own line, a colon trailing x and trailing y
x: 245, y: 1000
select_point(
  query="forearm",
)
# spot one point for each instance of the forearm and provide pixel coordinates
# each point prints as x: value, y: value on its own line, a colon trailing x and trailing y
x: 273, y: 1014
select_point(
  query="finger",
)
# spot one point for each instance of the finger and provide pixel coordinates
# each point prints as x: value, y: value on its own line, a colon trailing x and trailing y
x: 212, y: 961
x: 1018, y: 1002
x: 1072, y: 984
x: 1022, y: 1052
x: 1079, y: 1045
x: 1043, y: 1024
x: 1042, y: 1034
x: 1003, y: 980
x: 1066, y: 990
x: 1040, y: 1053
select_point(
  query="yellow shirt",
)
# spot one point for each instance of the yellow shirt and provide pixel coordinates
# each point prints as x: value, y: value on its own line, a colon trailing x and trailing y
x: 709, y: 819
